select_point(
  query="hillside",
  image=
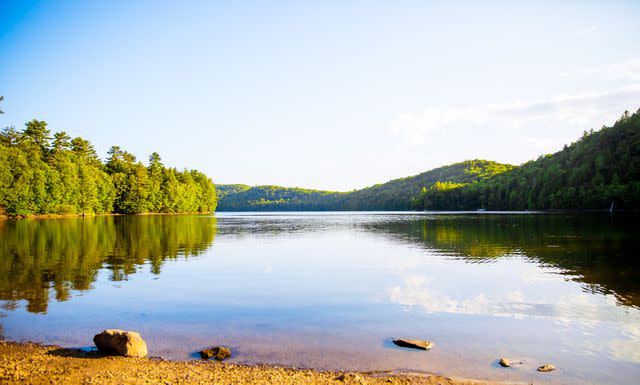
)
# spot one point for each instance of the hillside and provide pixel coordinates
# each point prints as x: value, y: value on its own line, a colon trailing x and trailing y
x: 600, y: 168
x: 276, y: 198
x: 397, y: 194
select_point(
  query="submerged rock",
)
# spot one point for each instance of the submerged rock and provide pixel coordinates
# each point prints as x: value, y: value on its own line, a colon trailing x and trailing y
x: 546, y: 368
x: 120, y: 342
x: 217, y: 352
x: 505, y: 362
x: 414, y: 344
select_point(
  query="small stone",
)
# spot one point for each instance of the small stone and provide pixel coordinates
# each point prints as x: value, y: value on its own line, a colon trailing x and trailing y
x: 414, y: 344
x: 217, y: 352
x: 546, y: 368
x: 505, y: 362
x: 120, y: 342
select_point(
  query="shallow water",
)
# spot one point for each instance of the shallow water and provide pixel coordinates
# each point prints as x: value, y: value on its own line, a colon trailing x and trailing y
x: 330, y: 290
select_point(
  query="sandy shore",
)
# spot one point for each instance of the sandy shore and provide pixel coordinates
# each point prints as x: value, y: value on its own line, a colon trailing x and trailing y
x: 27, y: 363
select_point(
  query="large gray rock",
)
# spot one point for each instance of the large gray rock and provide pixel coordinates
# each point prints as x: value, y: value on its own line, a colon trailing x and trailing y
x: 415, y: 344
x: 120, y: 342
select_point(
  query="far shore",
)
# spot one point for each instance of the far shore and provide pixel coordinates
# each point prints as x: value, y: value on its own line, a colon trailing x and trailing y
x: 30, y: 363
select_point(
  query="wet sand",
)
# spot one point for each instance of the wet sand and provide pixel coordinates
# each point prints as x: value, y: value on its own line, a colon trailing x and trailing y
x: 28, y: 363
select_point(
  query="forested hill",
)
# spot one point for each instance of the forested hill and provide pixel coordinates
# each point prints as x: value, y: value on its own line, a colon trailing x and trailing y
x: 41, y: 174
x: 275, y: 198
x: 600, y: 168
x: 398, y: 194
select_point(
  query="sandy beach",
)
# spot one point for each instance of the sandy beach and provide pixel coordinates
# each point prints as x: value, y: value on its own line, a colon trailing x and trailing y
x: 28, y: 363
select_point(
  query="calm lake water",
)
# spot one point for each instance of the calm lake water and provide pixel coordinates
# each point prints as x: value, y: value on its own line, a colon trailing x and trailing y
x: 329, y: 290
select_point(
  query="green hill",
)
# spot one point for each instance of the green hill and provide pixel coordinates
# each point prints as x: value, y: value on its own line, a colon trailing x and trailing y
x: 600, y: 168
x: 276, y: 198
x: 229, y: 189
x: 398, y: 194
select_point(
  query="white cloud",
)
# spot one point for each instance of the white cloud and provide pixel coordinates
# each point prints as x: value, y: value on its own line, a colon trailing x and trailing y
x: 534, y: 125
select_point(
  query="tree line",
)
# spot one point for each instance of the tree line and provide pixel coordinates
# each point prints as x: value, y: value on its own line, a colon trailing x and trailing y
x: 42, y: 173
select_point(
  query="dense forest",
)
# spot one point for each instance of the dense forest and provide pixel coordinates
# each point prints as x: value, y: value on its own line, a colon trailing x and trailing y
x: 400, y: 194
x: 600, y: 169
x: 397, y: 194
x: 45, y: 174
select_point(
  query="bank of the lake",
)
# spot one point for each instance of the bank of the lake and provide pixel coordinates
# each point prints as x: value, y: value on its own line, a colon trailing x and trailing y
x: 60, y: 216
x: 27, y: 363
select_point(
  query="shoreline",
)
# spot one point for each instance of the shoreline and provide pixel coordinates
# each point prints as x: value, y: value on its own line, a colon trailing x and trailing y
x: 33, y: 363
x: 58, y: 216
x: 4, y: 216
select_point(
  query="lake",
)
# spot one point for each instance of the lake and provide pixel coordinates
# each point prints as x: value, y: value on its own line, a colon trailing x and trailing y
x: 330, y: 290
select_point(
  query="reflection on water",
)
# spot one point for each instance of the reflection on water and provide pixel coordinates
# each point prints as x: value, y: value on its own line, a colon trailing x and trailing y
x: 65, y: 255
x: 597, y: 250
x: 326, y: 290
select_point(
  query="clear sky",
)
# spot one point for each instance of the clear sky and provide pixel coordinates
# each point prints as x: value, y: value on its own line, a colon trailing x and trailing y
x: 326, y: 94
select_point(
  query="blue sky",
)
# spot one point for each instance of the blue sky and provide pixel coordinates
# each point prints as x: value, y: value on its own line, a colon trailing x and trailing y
x: 333, y: 95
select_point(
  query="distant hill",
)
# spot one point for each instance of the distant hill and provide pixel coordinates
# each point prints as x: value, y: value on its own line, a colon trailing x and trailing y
x: 601, y: 168
x: 398, y: 194
x: 276, y: 198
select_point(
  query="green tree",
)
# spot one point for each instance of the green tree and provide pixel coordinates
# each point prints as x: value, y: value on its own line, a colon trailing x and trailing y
x: 65, y: 176
x: 36, y: 131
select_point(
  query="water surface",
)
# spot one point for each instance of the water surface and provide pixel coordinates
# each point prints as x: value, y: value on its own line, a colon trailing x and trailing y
x: 330, y: 290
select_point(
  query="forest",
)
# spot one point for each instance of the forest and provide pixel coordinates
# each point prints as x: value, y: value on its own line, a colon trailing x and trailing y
x: 599, y: 171
x: 43, y: 174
